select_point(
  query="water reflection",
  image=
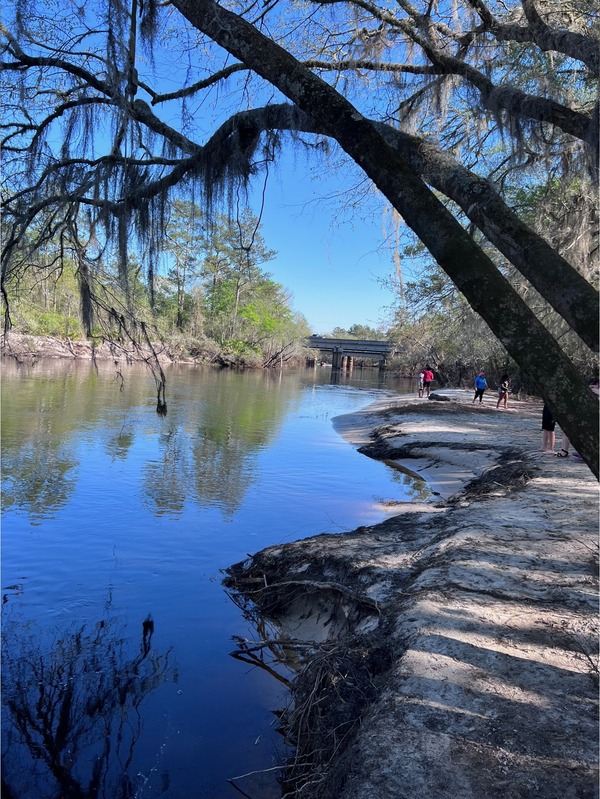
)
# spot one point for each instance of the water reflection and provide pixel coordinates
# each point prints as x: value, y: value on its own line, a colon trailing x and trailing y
x: 101, y: 490
x: 411, y: 481
x: 71, y: 709
x: 40, y: 478
x: 119, y: 444
x: 208, y: 452
x: 205, y: 451
x: 223, y: 473
x: 374, y: 377
x: 42, y: 407
x: 167, y: 480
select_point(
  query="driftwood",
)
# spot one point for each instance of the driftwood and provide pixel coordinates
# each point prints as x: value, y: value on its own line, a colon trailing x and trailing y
x: 244, y: 583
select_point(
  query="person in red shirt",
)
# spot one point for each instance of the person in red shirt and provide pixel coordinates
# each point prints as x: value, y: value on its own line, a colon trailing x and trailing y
x: 427, y: 379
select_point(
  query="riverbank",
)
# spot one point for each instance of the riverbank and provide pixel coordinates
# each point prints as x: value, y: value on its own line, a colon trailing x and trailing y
x: 27, y: 348
x: 452, y: 650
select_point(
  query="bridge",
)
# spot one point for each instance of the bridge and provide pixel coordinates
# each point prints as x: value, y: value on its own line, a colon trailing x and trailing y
x: 345, y: 349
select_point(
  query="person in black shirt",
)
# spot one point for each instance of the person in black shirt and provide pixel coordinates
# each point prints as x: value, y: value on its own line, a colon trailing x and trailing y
x: 548, y: 434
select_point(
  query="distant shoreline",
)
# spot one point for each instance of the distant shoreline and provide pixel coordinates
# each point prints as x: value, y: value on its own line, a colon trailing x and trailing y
x: 25, y: 347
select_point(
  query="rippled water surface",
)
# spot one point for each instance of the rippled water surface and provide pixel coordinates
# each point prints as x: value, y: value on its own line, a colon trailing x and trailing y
x: 117, y: 678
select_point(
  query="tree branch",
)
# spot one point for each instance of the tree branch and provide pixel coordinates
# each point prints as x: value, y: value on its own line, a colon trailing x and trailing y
x: 474, y: 274
x: 501, y: 97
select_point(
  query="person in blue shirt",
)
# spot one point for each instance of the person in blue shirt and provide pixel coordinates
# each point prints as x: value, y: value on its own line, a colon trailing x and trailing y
x: 480, y: 387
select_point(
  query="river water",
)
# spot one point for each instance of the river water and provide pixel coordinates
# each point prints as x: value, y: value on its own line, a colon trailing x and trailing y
x: 116, y: 526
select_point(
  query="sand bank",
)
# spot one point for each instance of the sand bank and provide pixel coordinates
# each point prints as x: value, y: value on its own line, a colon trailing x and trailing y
x: 450, y: 651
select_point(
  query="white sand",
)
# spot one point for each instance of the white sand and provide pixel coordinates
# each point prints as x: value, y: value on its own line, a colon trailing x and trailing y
x: 489, y: 603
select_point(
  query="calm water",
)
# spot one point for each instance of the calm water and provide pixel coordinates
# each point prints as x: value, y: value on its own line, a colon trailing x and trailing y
x: 116, y: 525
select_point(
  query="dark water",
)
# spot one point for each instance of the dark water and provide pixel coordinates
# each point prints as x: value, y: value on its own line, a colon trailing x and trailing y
x: 117, y: 678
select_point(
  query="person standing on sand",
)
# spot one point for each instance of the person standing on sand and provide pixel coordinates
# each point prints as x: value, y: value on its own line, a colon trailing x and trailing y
x: 503, y: 391
x: 427, y: 379
x: 548, y: 434
x: 480, y: 387
x: 421, y: 378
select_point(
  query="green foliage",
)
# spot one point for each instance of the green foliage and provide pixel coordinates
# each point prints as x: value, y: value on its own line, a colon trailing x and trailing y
x: 359, y: 332
x: 435, y: 324
x: 212, y: 296
x: 556, y: 208
x: 239, y: 348
x: 54, y: 324
x: 182, y: 244
x: 45, y: 300
x: 440, y: 328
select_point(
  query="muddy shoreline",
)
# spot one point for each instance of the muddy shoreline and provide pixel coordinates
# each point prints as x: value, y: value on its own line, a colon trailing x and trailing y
x: 450, y: 650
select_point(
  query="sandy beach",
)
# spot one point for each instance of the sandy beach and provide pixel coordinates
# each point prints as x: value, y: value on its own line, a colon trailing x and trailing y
x: 452, y: 650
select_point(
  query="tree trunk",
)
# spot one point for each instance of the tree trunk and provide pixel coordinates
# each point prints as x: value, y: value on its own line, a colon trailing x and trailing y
x: 562, y: 286
x: 567, y: 291
x: 474, y: 274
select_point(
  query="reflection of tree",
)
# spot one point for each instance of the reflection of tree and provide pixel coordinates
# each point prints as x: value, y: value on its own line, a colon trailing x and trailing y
x: 43, y: 412
x: 71, y: 715
x: 39, y: 411
x: 224, y: 472
x: 37, y: 478
x: 217, y: 473
x: 240, y: 420
x: 208, y: 453
x: 169, y: 481
x: 119, y: 444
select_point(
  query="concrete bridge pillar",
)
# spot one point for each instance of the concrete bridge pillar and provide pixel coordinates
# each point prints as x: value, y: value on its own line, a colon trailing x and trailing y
x: 338, y: 355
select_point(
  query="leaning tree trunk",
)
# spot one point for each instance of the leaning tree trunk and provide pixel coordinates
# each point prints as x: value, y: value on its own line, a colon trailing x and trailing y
x: 557, y: 281
x: 475, y: 275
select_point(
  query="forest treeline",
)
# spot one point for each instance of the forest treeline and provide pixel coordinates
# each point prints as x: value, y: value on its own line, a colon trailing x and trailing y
x: 213, y: 300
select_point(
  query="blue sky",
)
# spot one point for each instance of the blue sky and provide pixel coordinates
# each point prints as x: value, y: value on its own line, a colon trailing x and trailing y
x: 329, y: 256
x: 329, y: 236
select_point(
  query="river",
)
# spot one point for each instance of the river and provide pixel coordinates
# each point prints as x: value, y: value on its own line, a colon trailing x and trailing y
x: 116, y: 526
